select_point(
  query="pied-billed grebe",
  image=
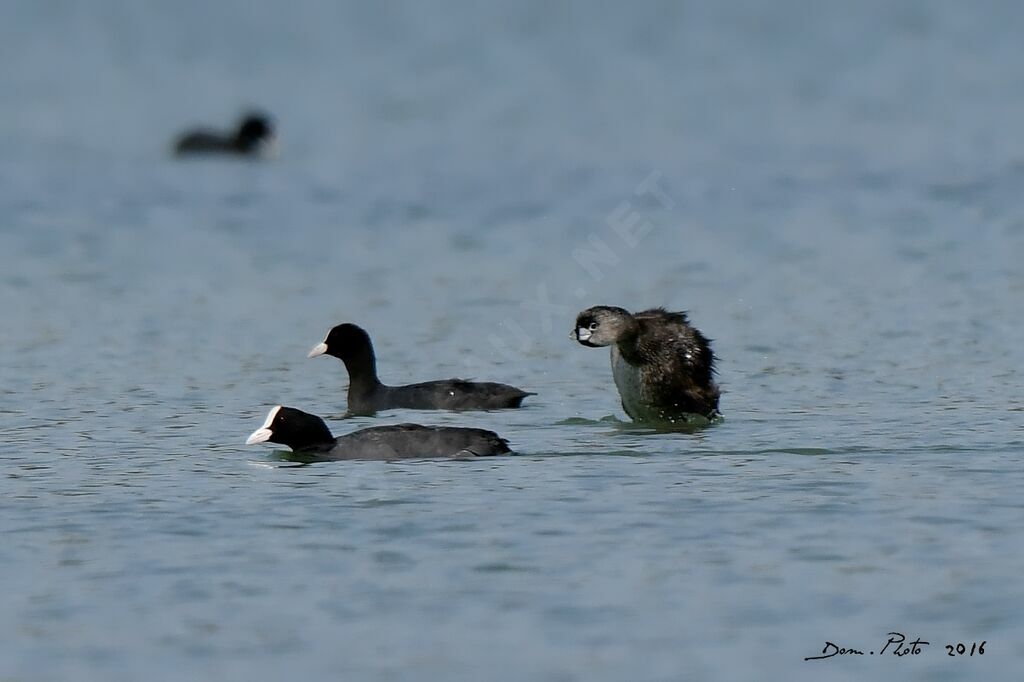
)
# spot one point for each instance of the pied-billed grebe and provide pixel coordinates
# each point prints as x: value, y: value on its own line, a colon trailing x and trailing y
x: 664, y: 368
x: 366, y: 394
x: 254, y: 137
x: 308, y: 435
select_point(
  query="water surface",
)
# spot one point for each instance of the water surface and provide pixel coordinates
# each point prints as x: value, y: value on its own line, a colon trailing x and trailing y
x: 839, y: 210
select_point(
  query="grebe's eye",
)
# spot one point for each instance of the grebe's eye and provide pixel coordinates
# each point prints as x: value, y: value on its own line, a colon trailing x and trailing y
x: 593, y: 326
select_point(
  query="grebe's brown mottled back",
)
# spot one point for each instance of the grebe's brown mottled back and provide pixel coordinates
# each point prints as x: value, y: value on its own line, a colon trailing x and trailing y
x: 307, y: 435
x: 366, y: 394
x: 663, y: 367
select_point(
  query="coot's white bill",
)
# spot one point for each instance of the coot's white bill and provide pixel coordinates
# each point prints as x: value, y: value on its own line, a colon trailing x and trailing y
x: 264, y: 433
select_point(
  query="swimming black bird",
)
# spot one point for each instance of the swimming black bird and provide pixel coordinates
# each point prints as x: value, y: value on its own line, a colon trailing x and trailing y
x: 366, y: 394
x: 662, y: 366
x: 254, y: 137
x: 307, y: 435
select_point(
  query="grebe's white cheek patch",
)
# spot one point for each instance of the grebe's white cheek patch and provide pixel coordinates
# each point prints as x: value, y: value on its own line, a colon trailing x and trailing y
x: 583, y: 334
x: 318, y: 349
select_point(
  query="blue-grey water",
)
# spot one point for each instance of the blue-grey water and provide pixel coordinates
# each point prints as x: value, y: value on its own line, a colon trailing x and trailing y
x: 834, y: 191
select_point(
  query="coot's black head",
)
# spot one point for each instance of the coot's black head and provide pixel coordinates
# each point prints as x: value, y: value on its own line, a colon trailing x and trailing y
x: 602, y: 326
x: 291, y: 427
x: 255, y: 131
x: 346, y: 341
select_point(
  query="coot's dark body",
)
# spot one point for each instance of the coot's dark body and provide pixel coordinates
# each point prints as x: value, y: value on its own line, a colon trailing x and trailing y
x: 307, y: 435
x: 367, y: 395
x: 254, y: 136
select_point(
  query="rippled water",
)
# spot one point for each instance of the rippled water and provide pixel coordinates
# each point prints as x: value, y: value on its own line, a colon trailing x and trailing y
x: 837, y: 205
